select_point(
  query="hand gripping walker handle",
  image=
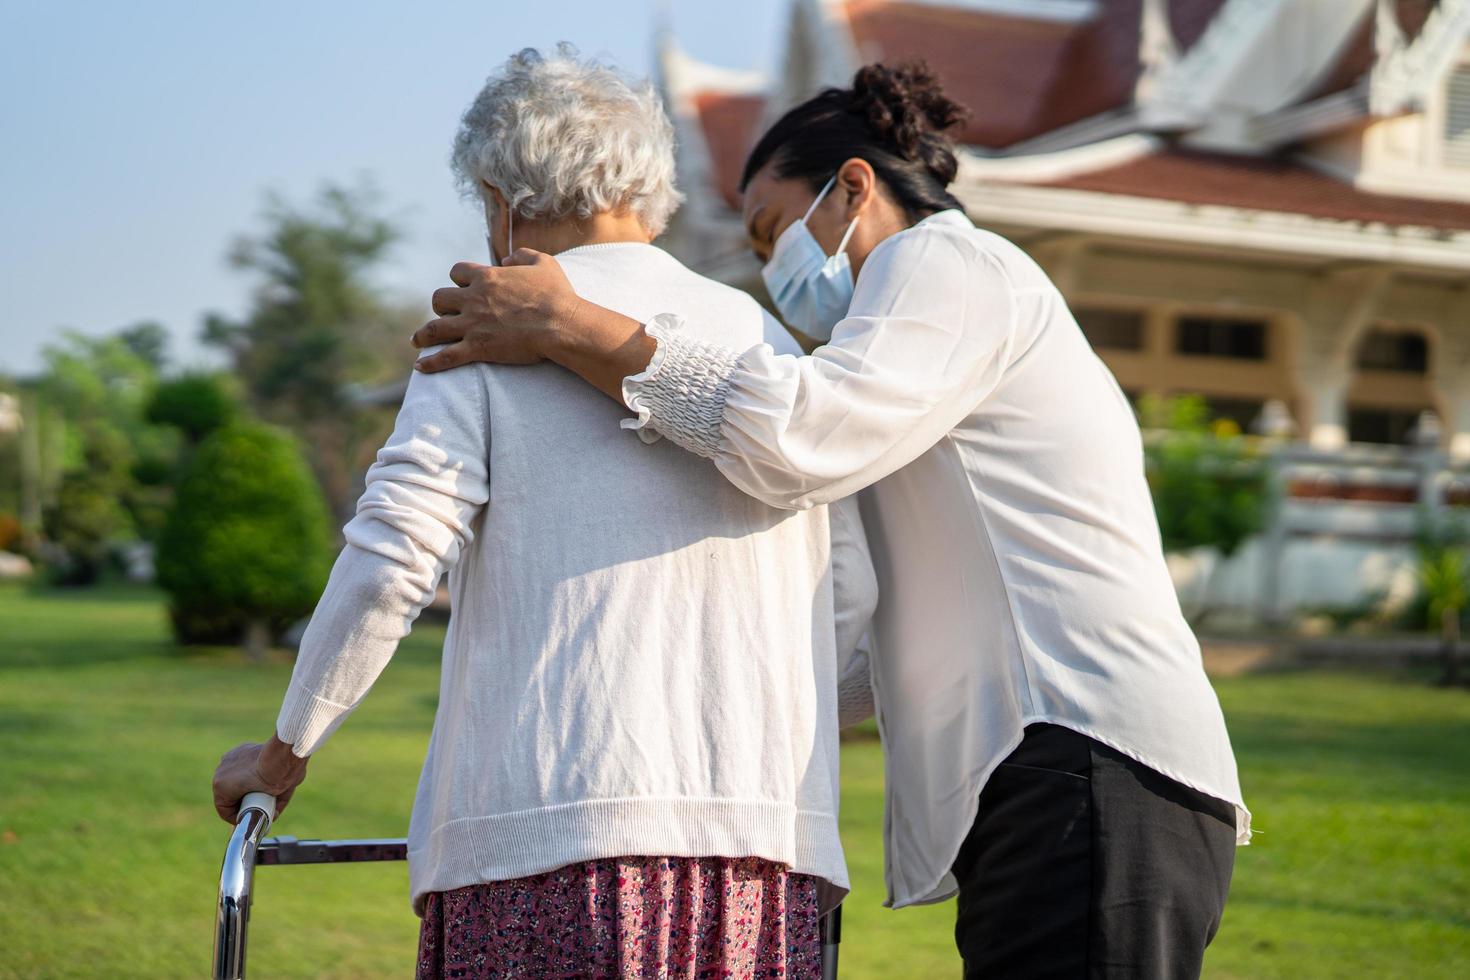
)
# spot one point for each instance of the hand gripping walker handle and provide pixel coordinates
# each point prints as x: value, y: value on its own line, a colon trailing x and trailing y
x: 264, y: 802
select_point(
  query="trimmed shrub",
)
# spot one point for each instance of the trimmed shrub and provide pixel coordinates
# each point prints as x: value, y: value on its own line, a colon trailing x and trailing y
x: 195, y: 404
x: 247, y: 546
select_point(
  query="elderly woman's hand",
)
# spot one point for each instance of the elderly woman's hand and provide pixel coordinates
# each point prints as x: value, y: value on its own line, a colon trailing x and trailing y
x: 252, y: 767
x: 503, y: 314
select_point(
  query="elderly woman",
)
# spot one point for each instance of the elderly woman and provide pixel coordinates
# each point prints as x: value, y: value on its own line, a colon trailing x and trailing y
x: 1055, y: 754
x: 633, y: 767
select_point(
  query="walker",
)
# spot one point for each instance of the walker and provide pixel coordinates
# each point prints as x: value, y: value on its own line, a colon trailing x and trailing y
x: 248, y: 847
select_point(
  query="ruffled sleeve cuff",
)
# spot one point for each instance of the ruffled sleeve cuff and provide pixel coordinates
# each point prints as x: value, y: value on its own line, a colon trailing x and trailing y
x: 682, y: 392
x: 855, y: 702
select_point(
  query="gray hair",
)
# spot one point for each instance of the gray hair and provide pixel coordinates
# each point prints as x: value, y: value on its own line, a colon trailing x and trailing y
x: 561, y: 135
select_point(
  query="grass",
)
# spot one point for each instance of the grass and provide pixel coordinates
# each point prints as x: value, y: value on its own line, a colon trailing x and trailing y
x: 109, y: 850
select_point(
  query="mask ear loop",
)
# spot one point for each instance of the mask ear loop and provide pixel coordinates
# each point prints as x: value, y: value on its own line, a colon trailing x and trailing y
x: 825, y: 188
x: 850, y: 225
x: 842, y: 246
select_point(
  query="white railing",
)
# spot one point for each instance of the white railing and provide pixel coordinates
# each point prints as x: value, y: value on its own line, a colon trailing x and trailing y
x: 1343, y: 523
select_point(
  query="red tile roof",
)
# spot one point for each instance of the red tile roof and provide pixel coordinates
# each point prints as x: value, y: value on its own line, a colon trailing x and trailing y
x: 1020, y: 76
x: 728, y: 122
x: 1263, y: 185
x: 1023, y: 77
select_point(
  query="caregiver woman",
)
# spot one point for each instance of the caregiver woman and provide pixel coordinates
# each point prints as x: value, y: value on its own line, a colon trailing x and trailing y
x: 1054, y: 751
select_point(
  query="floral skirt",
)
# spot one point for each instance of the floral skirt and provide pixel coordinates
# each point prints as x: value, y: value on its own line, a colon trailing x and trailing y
x: 631, y: 917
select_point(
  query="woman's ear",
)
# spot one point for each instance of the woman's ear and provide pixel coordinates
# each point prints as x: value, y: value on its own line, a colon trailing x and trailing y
x: 492, y: 193
x: 497, y: 219
x: 858, y: 183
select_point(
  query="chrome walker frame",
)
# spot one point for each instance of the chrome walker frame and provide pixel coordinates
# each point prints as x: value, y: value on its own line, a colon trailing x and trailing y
x: 248, y: 847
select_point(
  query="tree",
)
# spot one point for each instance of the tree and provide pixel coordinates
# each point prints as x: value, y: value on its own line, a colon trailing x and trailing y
x: 247, y: 545
x: 316, y: 327
x: 88, y: 516
x: 99, y: 380
x: 148, y: 340
x: 195, y: 404
x: 107, y: 456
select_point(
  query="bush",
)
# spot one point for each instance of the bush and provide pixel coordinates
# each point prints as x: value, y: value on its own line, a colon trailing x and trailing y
x: 195, y: 404
x: 83, y: 525
x: 89, y: 516
x: 1209, y: 487
x: 1444, y: 583
x: 247, y: 546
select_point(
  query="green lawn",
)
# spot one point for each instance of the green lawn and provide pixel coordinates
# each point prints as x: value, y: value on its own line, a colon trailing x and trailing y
x: 109, y: 850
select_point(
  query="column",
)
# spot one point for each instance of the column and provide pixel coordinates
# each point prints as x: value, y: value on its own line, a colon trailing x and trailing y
x: 1323, y: 390
x: 1459, y: 407
x: 1337, y: 310
x: 1451, y: 375
x: 1061, y: 257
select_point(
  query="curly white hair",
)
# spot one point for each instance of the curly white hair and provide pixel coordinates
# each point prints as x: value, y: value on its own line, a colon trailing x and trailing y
x: 560, y: 135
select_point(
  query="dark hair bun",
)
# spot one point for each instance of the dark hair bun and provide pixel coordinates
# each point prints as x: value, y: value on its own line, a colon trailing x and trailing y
x: 909, y: 112
x: 895, y: 118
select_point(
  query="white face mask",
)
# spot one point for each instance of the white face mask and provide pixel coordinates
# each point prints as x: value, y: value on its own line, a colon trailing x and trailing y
x: 510, y: 219
x: 811, y: 289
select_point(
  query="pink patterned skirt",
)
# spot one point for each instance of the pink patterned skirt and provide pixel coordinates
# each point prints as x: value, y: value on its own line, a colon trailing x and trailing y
x: 631, y: 917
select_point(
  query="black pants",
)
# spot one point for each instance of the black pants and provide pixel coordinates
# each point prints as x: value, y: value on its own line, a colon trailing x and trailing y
x: 1085, y: 863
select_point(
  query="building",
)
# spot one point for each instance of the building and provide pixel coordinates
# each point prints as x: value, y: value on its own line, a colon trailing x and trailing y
x: 1266, y: 202
x: 1260, y: 201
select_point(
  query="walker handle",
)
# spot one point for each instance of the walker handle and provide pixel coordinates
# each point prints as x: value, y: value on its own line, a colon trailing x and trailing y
x: 263, y: 802
x: 236, y: 881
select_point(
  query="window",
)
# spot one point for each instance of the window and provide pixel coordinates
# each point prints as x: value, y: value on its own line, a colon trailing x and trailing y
x: 1205, y: 336
x: 1111, y: 329
x: 1383, y: 425
x: 1242, y: 411
x: 1401, y: 351
x: 1457, y: 118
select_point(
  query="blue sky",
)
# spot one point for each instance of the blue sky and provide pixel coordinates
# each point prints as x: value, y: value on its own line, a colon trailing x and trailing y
x: 139, y: 138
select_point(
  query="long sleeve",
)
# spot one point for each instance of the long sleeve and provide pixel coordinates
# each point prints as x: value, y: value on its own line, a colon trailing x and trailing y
x: 414, y: 519
x: 927, y: 334
x: 855, y: 597
x: 855, y: 702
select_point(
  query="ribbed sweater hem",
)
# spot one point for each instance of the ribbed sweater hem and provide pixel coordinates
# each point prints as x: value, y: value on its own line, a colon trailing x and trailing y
x: 500, y: 847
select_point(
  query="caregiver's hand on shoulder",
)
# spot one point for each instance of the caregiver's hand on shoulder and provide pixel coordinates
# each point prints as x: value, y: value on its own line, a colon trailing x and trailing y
x: 527, y: 311
x: 505, y: 314
x: 269, y: 768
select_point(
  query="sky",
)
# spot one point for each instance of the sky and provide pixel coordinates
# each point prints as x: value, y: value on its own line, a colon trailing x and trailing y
x: 138, y: 140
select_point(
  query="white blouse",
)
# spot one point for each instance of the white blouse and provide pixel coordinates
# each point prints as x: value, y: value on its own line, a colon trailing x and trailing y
x: 1020, y: 569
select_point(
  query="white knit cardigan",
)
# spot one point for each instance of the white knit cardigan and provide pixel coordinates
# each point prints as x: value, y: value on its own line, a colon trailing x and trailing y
x: 641, y: 659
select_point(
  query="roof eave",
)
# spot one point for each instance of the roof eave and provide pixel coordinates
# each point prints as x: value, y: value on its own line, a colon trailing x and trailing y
x: 1232, y: 228
x: 1316, y: 118
x: 976, y: 164
x: 1108, y: 125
